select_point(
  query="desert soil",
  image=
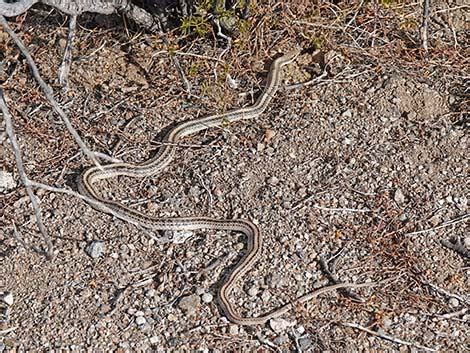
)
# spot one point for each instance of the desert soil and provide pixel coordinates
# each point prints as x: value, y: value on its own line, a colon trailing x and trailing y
x: 365, y: 168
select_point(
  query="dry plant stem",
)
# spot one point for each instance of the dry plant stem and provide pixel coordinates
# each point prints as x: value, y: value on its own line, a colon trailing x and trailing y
x: 67, y: 60
x: 425, y: 26
x: 73, y: 193
x: 174, y: 59
x: 48, y: 91
x: 448, y: 294
x: 24, y: 178
x: 387, y: 337
x: 443, y: 225
x: 8, y: 330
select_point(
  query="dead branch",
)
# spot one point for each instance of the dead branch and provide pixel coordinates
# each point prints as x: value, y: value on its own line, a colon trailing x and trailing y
x: 24, y: 178
x: 67, y: 59
x: 387, y: 337
x: 425, y: 26
x: 49, y: 93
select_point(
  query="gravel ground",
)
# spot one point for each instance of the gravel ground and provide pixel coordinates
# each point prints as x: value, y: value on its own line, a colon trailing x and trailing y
x: 366, y: 170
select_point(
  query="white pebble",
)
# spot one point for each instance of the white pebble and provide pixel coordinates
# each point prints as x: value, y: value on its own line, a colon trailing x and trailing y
x: 207, y: 298
x: 233, y: 329
x: 279, y: 325
x: 140, y: 321
x: 399, y: 196
x: 454, y: 302
x: 8, y: 298
x: 253, y: 291
x: 154, y: 340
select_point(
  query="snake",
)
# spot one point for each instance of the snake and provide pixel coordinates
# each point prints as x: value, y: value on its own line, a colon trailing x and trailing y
x: 162, y: 158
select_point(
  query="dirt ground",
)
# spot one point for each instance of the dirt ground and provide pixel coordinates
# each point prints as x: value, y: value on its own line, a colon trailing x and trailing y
x: 365, y: 168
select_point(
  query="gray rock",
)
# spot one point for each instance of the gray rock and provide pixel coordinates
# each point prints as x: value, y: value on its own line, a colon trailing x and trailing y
x: 190, y: 304
x: 95, y: 249
x: 279, y: 325
x: 399, y: 197
x: 7, y: 298
x: 7, y: 182
x: 305, y: 343
x: 273, y: 181
x: 280, y: 340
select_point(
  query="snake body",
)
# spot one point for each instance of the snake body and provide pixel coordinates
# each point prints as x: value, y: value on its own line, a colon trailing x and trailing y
x: 163, y: 157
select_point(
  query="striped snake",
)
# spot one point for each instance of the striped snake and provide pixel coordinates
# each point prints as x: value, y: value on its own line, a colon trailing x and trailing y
x: 162, y: 159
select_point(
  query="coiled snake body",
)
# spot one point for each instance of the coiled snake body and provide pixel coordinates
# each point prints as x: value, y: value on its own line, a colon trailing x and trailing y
x: 163, y: 158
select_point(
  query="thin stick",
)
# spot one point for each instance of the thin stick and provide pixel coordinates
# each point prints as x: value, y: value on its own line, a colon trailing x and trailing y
x: 8, y: 330
x: 64, y: 68
x: 443, y: 225
x: 448, y: 294
x: 24, y: 178
x: 387, y: 337
x: 48, y: 92
x: 76, y: 194
x: 425, y: 26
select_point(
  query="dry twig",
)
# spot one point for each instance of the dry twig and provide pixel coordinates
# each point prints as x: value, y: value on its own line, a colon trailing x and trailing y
x: 24, y: 178
x: 67, y: 59
x: 443, y: 225
x: 425, y: 26
x: 387, y: 337
x: 48, y: 91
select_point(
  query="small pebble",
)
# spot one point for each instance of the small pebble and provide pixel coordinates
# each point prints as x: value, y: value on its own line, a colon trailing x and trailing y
x: 95, y: 249
x: 273, y: 181
x: 466, y: 242
x: 305, y: 343
x: 387, y: 323
x: 454, y: 302
x: 399, y: 197
x: 270, y: 151
x: 7, y: 182
x: 140, y: 321
x: 207, y: 298
x: 154, y: 340
x: 253, y: 291
x: 279, y: 325
x: 265, y: 296
x: 150, y: 293
x: 300, y: 330
x: 190, y: 304
x: 233, y: 329
x: 7, y: 298
x: 268, y: 135
x: 347, y: 114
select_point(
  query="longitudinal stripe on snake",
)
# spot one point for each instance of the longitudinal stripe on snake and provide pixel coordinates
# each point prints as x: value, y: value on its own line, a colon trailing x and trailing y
x: 163, y: 158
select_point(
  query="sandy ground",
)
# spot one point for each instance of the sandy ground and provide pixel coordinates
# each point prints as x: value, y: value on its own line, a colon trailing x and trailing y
x: 366, y: 168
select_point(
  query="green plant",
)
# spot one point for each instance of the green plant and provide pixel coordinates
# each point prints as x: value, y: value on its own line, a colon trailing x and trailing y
x: 196, y: 24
